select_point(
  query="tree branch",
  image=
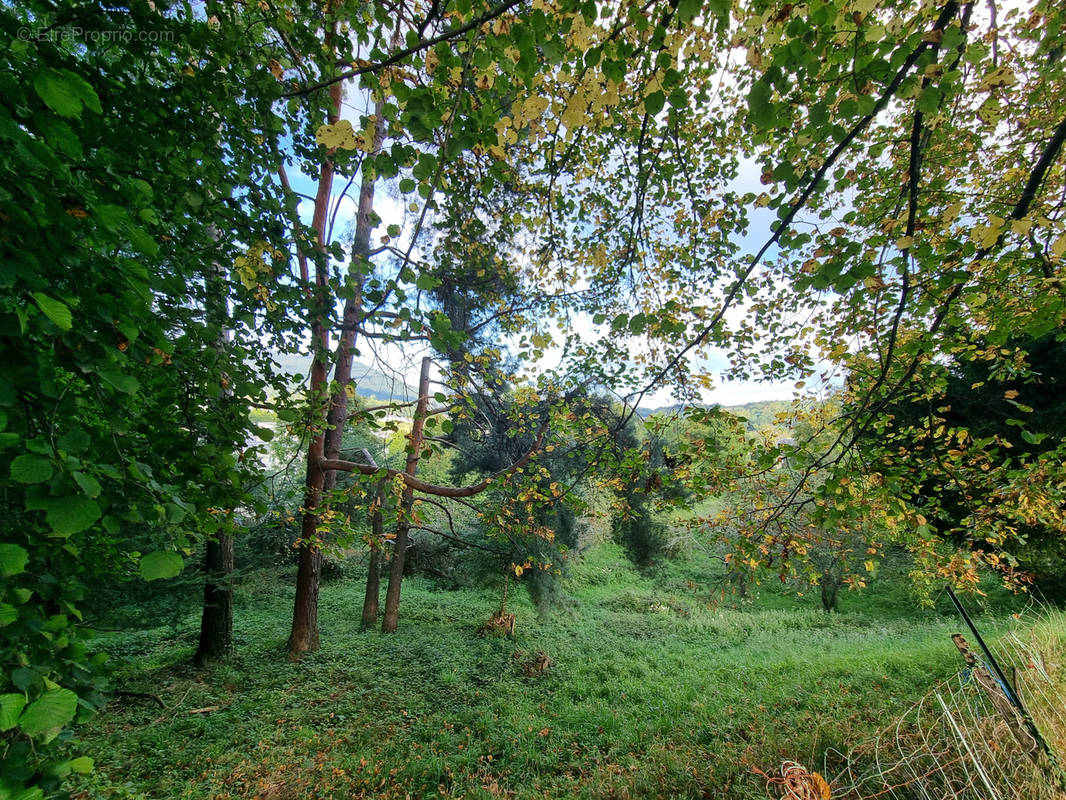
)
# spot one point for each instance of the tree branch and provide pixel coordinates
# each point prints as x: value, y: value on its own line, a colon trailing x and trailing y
x: 440, y: 491
x: 448, y: 35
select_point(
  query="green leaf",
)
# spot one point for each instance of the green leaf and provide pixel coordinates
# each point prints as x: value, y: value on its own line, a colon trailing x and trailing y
x: 13, y: 560
x: 55, y: 310
x: 175, y: 513
x: 426, y: 281
x: 88, y: 483
x: 161, y: 564
x: 25, y: 679
x: 61, y: 137
x: 29, y: 468
x: 72, y: 514
x: 8, y: 614
x: 45, y: 717
x: 75, y: 441
x: 687, y: 9
x: 126, y: 384
x: 406, y: 186
x: 111, y: 216
x: 59, y: 92
x: 760, y: 107
x: 654, y: 103
x: 85, y: 92
x: 11, y: 706
x: 58, y: 769
x: 82, y: 765
x: 143, y: 241
x: 929, y: 100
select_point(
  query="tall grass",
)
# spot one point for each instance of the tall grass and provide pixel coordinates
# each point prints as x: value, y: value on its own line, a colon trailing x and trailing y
x: 657, y: 687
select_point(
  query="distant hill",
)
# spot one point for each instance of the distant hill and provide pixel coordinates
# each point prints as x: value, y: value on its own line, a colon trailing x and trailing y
x: 369, y: 381
x: 760, y: 414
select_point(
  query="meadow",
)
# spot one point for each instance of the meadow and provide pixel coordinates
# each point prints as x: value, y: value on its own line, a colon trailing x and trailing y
x: 635, y: 685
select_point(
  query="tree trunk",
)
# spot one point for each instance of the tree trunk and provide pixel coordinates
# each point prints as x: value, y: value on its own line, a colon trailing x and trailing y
x: 216, y: 619
x: 304, y: 635
x: 399, y: 553
x: 216, y: 624
x: 373, y: 574
x: 320, y: 483
x: 830, y: 586
x: 377, y: 543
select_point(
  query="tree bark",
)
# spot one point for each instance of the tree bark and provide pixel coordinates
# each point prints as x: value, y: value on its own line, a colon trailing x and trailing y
x: 216, y: 619
x: 304, y: 635
x: 320, y: 482
x: 216, y: 623
x: 830, y: 586
x: 403, y: 527
x: 377, y: 543
x: 373, y: 574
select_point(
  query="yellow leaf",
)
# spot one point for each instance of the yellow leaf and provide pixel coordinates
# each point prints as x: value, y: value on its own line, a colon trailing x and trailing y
x: 951, y: 213
x: 986, y: 236
x: 533, y: 109
x: 904, y: 242
x: 1003, y: 76
x: 574, y: 113
x: 873, y: 282
x: 822, y: 787
x: 1058, y: 248
x: 869, y: 565
x: 340, y: 135
x: 1021, y: 227
x: 1010, y: 394
x: 349, y: 390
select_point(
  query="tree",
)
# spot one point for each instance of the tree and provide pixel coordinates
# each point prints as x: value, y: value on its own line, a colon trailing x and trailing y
x: 914, y: 164
x: 978, y: 453
x: 957, y: 225
x: 109, y: 359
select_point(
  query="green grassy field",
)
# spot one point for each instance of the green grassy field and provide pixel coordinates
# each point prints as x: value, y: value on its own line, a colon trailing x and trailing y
x: 658, y: 687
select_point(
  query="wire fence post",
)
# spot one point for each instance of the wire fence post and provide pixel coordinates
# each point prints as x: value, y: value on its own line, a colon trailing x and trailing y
x: 1011, y: 693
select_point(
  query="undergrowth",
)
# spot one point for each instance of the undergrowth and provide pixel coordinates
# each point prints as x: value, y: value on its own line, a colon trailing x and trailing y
x: 652, y: 686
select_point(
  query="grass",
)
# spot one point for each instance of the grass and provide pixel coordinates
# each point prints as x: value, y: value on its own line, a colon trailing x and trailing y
x: 656, y: 689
